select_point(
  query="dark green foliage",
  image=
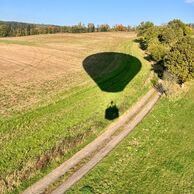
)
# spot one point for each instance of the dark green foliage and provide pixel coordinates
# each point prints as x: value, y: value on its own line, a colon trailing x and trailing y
x: 180, y: 60
x: 143, y: 43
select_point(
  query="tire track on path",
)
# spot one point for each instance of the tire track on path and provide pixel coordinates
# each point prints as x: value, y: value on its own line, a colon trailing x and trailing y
x: 129, y: 120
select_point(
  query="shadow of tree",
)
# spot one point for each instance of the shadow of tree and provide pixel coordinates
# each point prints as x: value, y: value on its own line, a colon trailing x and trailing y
x: 159, y: 69
x: 112, y: 71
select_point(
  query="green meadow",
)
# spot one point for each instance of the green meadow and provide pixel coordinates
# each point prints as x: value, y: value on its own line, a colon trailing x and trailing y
x: 157, y: 157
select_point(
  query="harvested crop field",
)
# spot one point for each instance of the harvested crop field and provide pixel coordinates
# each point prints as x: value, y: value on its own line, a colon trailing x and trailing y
x: 32, y: 67
x: 54, y: 92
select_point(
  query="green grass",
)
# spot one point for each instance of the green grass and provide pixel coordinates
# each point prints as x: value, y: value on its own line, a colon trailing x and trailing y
x: 68, y: 123
x: 18, y: 42
x: 157, y: 157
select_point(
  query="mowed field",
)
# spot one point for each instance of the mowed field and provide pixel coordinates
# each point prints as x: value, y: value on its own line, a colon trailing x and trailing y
x: 53, y: 98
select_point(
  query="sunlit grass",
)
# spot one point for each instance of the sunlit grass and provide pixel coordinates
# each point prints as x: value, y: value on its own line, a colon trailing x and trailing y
x: 157, y: 157
x: 70, y: 121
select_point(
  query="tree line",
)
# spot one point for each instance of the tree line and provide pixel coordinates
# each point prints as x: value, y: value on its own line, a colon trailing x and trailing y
x: 25, y: 29
x: 171, y: 47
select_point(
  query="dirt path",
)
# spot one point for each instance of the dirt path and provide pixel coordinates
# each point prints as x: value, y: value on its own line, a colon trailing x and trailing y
x: 134, y: 116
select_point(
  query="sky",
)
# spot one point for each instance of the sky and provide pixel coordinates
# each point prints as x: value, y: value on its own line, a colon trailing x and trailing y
x: 70, y: 12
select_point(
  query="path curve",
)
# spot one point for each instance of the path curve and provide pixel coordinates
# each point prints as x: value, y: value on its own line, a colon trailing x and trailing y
x: 135, y: 115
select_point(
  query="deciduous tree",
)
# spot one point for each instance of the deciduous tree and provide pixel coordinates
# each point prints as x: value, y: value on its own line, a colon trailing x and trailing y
x: 91, y: 27
x: 4, y: 30
x: 143, y: 27
x: 180, y: 60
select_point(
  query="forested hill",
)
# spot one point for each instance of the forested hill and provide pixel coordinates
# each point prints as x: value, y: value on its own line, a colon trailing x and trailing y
x: 24, y: 29
x: 11, y: 28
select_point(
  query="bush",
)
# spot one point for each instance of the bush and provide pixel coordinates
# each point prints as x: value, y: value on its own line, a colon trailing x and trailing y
x: 143, y: 27
x: 157, y: 50
x: 167, y: 35
x: 180, y: 60
x: 180, y: 28
x: 103, y: 28
x: 143, y: 43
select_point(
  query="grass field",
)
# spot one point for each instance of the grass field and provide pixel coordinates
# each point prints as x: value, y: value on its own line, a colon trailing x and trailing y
x: 50, y: 106
x: 157, y: 157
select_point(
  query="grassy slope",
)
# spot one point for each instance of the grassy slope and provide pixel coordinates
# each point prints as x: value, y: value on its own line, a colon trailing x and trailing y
x: 74, y: 120
x: 157, y: 157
